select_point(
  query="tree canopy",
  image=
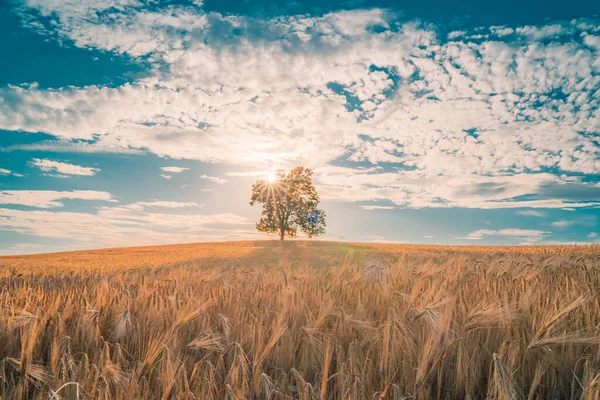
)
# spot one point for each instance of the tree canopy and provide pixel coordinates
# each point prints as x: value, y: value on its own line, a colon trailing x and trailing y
x: 289, y: 203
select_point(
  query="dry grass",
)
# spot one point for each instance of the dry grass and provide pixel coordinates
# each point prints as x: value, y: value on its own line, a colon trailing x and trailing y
x: 302, y: 321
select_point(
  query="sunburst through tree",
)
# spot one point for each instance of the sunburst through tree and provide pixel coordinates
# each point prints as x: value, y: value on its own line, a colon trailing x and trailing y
x: 290, y: 203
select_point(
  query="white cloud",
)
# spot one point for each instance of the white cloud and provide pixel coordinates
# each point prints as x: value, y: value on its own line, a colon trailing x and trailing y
x: 162, y: 204
x: 380, y: 239
x: 502, y: 31
x: 548, y: 31
x: 456, y: 34
x: 5, y: 172
x: 23, y: 248
x: 370, y: 208
x: 428, y: 237
x: 530, y: 234
x: 416, y: 189
x: 532, y: 213
x: 50, y: 198
x: 128, y: 225
x: 248, y: 174
x: 62, y: 167
x: 592, y: 235
x: 67, y: 146
x: 563, y: 223
x: 174, y: 170
x: 214, y: 179
x: 582, y: 221
x: 483, y: 117
x: 166, y: 176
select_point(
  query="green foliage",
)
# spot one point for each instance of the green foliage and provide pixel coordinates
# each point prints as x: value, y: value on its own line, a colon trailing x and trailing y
x: 289, y: 204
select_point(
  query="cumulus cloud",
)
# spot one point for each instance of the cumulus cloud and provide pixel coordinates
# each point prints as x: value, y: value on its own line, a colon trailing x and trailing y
x: 494, y: 118
x: 62, y: 167
x: 50, y: 198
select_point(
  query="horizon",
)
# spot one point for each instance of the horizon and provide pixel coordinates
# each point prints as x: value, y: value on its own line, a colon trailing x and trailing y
x: 132, y: 123
x: 317, y: 241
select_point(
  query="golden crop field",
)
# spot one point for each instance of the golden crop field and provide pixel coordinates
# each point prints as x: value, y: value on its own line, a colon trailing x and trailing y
x: 302, y: 320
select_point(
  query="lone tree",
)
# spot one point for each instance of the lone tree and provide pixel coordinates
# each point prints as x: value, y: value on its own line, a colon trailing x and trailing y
x: 290, y: 203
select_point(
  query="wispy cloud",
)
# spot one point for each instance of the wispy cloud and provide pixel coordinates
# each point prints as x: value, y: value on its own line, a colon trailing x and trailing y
x: 530, y: 234
x: 128, y: 225
x: 162, y: 204
x: 588, y: 220
x: 66, y: 145
x: 50, y: 198
x: 248, y: 174
x: 24, y: 248
x: 417, y: 189
x: 63, y: 167
x: 6, y: 172
x: 532, y: 213
x: 370, y: 208
x: 174, y: 170
x: 382, y: 239
x: 214, y: 179
x: 563, y: 223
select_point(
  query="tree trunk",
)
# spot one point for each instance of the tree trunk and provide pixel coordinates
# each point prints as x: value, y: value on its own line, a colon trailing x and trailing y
x: 281, y: 235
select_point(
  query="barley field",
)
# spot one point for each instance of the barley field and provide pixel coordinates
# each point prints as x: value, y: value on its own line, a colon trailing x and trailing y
x: 302, y: 320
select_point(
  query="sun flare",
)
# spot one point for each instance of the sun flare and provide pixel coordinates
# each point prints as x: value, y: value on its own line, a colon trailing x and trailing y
x: 270, y: 177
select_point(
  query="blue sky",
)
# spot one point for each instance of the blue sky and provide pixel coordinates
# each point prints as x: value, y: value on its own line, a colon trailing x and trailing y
x: 131, y: 122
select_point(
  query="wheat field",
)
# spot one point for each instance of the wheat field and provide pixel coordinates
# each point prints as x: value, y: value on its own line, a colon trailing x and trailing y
x: 300, y: 320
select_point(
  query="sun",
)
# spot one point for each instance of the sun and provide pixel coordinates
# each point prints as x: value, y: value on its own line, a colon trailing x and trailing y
x: 270, y: 177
